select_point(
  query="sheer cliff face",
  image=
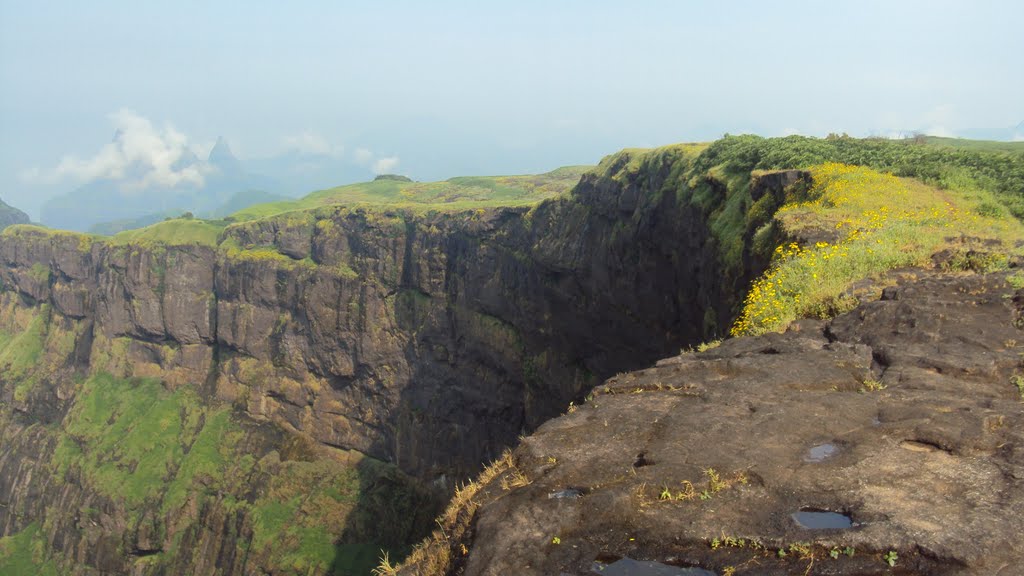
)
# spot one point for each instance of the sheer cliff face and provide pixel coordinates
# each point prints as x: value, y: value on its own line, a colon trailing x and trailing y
x: 428, y: 340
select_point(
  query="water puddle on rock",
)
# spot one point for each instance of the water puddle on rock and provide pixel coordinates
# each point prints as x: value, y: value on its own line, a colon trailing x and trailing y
x: 630, y: 567
x: 821, y: 452
x: 810, y: 519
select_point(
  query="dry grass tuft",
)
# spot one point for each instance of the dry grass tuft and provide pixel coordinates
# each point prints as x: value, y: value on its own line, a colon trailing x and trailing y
x: 435, y: 555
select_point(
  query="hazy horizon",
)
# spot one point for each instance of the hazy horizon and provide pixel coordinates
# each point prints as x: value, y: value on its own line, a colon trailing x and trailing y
x: 456, y: 88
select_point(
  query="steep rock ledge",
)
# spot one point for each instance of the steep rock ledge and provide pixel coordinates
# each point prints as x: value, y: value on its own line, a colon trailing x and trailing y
x: 429, y: 340
x: 903, y: 416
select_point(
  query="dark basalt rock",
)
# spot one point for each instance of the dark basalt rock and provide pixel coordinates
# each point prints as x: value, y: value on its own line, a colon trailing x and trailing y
x: 395, y: 177
x: 930, y: 466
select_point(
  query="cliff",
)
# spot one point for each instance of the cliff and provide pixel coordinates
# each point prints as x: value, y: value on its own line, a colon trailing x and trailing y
x: 290, y: 394
x: 885, y: 441
x: 147, y: 375
x: 863, y: 420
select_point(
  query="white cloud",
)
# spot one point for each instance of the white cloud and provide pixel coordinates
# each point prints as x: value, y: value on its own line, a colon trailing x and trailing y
x: 378, y: 164
x: 141, y: 155
x: 309, y: 142
x: 363, y: 156
x: 1018, y: 137
x: 938, y: 120
x: 385, y: 165
x: 939, y: 131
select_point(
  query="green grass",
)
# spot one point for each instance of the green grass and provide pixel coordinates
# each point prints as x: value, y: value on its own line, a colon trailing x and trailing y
x: 304, y: 498
x: 208, y: 457
x: 233, y: 251
x: 174, y: 232
x: 986, y: 166
x: 976, y: 145
x: 147, y: 448
x: 33, y: 231
x: 139, y: 443
x: 25, y: 554
x: 455, y: 194
x: 131, y: 433
x: 20, y: 354
x: 40, y: 272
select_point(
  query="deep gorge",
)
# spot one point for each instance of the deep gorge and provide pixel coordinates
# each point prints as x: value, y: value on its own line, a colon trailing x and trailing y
x: 430, y: 341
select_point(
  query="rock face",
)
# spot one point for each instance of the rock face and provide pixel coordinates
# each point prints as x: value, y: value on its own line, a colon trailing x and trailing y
x: 902, y: 417
x: 431, y: 341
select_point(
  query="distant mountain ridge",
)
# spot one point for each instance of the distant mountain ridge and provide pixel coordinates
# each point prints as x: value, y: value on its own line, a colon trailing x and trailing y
x: 10, y: 215
x: 107, y: 200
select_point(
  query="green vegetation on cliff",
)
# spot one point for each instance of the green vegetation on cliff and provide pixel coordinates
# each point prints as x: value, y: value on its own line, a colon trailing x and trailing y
x: 456, y: 194
x: 865, y: 223
x: 173, y: 232
x: 148, y: 448
x: 129, y: 436
x: 26, y: 553
x: 963, y: 168
x: 32, y: 231
x: 963, y: 189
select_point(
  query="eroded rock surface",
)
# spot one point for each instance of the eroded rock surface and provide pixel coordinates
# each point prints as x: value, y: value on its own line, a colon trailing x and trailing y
x: 703, y: 459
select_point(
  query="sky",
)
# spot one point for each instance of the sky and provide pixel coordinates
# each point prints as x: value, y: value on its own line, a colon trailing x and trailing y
x: 445, y: 88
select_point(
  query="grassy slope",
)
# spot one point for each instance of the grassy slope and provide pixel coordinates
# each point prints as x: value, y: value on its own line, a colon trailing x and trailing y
x: 175, y: 232
x: 876, y: 222
x: 461, y: 193
x: 456, y: 194
x: 943, y: 192
x: 977, y: 145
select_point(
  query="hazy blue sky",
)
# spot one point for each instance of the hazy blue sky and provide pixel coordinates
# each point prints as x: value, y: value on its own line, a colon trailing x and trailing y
x: 442, y: 88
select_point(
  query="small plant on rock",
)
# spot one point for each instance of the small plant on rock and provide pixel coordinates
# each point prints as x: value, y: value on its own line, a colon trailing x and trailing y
x: 890, y: 557
x: 1016, y: 280
x: 1018, y: 381
x: 386, y: 568
x: 872, y: 385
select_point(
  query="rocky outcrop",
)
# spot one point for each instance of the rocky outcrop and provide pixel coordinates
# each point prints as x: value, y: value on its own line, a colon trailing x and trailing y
x: 899, y: 422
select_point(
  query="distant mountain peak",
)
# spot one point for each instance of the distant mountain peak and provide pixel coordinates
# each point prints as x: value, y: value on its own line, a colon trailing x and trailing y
x: 221, y: 150
x: 222, y: 157
x: 11, y: 215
